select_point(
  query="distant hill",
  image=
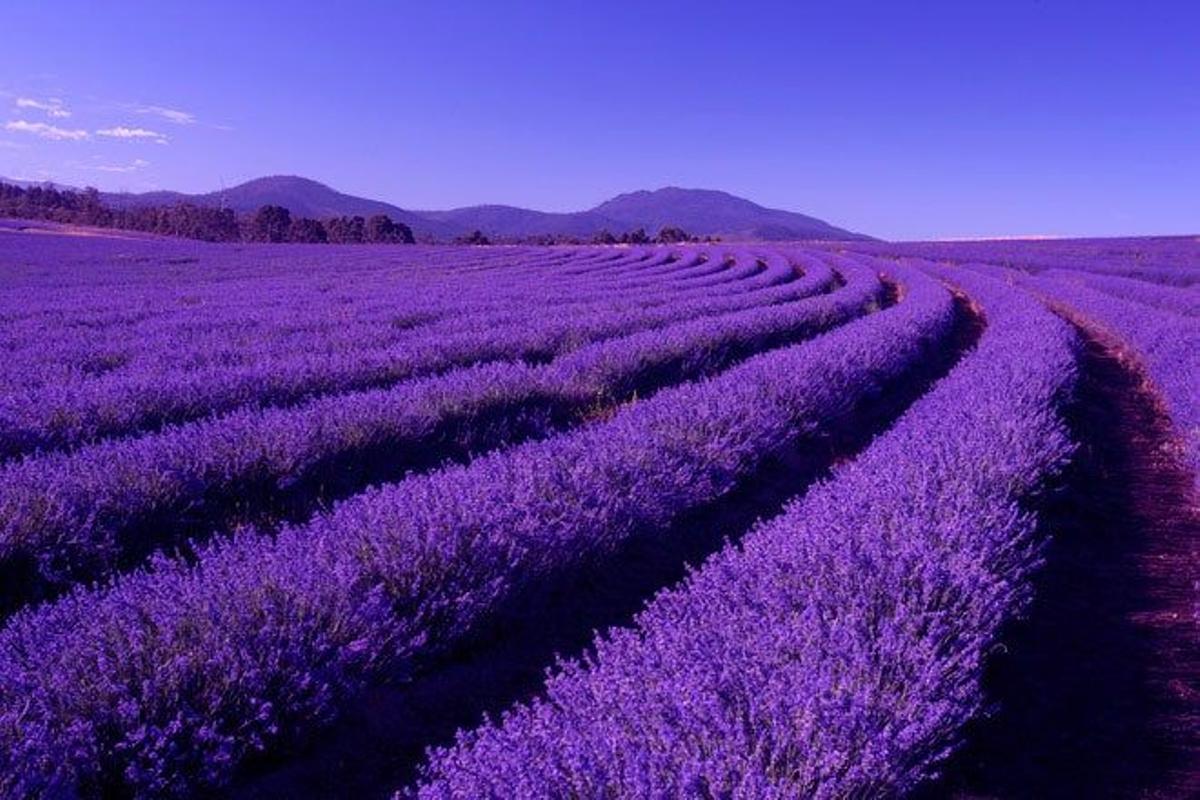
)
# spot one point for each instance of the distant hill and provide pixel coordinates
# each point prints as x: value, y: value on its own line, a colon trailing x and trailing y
x: 24, y: 184
x: 701, y: 212
x: 706, y: 211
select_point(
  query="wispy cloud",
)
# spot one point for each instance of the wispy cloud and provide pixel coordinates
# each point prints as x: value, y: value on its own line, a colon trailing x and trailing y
x: 139, y: 163
x: 45, y: 130
x: 176, y: 116
x: 169, y: 114
x: 5, y: 144
x: 52, y: 106
x: 125, y: 132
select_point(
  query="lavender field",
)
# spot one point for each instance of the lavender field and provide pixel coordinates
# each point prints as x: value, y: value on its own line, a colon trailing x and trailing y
x: 837, y: 520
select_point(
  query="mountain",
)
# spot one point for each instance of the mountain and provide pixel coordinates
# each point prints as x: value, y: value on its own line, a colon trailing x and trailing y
x: 301, y: 196
x: 702, y: 212
x: 705, y: 211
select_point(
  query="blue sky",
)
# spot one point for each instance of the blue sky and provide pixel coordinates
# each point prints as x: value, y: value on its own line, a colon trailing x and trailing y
x: 904, y: 120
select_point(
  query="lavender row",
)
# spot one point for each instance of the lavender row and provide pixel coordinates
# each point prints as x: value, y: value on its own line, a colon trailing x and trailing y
x: 69, y: 517
x: 1170, y: 299
x: 170, y: 677
x: 838, y: 651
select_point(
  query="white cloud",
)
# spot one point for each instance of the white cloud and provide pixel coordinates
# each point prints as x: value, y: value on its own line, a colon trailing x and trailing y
x: 139, y: 163
x: 53, y: 106
x: 169, y: 114
x: 124, y: 132
x: 45, y: 130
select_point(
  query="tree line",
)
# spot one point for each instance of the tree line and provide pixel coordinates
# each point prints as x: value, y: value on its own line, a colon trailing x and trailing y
x: 270, y: 223
x: 669, y: 234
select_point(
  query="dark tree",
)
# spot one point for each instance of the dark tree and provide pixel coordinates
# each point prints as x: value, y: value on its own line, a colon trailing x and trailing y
x: 476, y: 237
x: 346, y: 230
x: 92, y: 211
x: 307, y: 231
x: 270, y: 224
x: 672, y: 235
x: 382, y: 229
x: 635, y: 237
x: 604, y: 237
x: 197, y: 222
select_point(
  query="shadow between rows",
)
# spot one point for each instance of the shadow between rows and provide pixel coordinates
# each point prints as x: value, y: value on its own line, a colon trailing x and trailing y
x: 378, y: 745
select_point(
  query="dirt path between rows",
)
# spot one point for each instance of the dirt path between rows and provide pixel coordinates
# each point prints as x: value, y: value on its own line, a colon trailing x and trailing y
x: 1098, y: 689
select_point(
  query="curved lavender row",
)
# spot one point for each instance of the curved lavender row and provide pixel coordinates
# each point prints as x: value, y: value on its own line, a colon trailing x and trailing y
x: 838, y: 650
x: 753, y: 274
x: 169, y: 678
x: 1164, y: 298
x: 66, y: 517
x: 693, y: 349
x: 64, y: 416
x: 1169, y: 346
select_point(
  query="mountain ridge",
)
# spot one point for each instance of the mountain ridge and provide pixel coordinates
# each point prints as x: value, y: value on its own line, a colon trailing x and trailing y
x: 701, y: 212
